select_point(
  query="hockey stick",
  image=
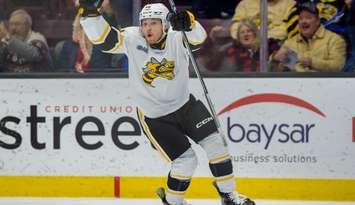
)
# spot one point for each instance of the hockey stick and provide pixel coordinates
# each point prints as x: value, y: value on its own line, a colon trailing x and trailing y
x: 198, y: 73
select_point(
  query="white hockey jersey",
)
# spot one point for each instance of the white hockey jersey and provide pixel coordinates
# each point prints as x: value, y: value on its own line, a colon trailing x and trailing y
x: 158, y: 78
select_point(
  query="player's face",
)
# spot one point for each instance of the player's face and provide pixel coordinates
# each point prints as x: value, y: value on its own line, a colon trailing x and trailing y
x: 152, y: 30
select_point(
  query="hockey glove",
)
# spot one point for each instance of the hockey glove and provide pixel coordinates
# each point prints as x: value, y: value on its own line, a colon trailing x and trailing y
x: 90, y: 8
x: 182, y: 20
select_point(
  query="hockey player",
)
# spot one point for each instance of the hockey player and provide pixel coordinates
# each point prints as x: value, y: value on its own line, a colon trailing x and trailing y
x: 168, y: 113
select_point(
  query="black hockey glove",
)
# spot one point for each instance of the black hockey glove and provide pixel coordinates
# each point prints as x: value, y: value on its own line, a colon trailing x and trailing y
x: 90, y: 8
x: 181, y: 20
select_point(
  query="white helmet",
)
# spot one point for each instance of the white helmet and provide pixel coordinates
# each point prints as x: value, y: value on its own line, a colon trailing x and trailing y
x: 157, y: 10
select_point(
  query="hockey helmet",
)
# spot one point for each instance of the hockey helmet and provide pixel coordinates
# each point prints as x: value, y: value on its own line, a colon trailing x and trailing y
x: 156, y: 10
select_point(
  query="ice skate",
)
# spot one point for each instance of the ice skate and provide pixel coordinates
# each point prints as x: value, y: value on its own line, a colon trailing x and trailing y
x: 233, y: 198
x: 161, y: 193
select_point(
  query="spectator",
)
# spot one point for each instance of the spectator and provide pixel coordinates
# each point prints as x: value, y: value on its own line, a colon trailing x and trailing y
x: 314, y: 48
x: 109, y: 61
x: 330, y: 12
x: 75, y: 54
x: 278, y: 10
x: 240, y: 54
x: 23, y: 50
x: 350, y: 64
x: 3, y: 29
x: 95, y: 60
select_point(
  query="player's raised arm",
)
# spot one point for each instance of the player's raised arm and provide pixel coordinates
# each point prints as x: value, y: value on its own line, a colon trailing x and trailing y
x: 98, y: 30
x: 185, y: 21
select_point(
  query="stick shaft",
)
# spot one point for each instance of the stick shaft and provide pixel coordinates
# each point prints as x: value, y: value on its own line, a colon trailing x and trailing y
x: 198, y: 74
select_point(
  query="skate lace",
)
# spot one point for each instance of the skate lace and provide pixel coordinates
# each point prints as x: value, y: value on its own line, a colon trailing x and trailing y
x: 236, y: 198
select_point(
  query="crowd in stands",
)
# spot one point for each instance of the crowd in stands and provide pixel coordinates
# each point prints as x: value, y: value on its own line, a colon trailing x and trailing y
x: 24, y: 50
x: 316, y: 48
x: 303, y: 36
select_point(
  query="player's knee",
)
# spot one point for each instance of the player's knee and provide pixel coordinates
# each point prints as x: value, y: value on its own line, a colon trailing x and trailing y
x: 214, y: 147
x: 184, y: 166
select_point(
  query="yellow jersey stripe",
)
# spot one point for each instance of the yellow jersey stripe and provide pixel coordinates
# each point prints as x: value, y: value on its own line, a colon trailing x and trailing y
x: 118, y: 45
x: 293, y: 32
x: 192, y: 20
x: 103, y: 36
x: 292, y: 21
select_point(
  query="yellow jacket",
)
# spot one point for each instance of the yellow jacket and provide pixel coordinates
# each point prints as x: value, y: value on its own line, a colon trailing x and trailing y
x: 326, y: 49
x: 278, y: 11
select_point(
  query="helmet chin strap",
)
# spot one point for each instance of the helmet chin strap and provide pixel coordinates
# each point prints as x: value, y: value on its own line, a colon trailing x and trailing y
x: 160, y: 44
x: 162, y: 36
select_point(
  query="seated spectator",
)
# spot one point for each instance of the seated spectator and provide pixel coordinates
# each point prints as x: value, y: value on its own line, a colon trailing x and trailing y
x: 21, y: 49
x: 314, y: 48
x: 350, y: 64
x: 278, y: 10
x: 331, y: 14
x: 240, y: 54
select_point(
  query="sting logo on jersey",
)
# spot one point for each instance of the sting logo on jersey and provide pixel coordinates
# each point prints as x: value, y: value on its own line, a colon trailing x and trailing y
x: 154, y: 69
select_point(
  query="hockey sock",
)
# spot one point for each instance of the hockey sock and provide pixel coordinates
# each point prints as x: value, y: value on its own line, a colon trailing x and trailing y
x: 223, y: 173
x: 182, y: 169
x: 176, y: 189
x: 219, y: 161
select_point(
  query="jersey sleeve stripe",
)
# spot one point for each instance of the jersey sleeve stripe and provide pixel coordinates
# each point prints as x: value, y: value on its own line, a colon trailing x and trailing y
x: 118, y: 45
x: 197, y: 42
x: 103, y: 36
